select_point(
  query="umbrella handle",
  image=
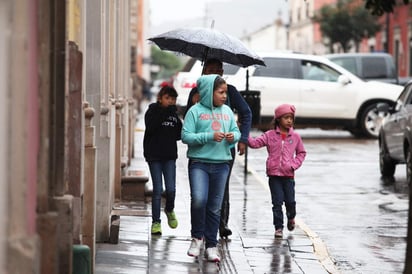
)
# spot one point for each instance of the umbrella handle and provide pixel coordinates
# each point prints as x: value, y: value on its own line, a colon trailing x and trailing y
x: 247, y: 79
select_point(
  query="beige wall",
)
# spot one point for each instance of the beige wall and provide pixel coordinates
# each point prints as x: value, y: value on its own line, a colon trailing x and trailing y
x: 301, y: 27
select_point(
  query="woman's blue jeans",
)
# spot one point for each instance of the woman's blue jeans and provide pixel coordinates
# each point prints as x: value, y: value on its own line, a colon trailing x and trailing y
x: 159, y: 170
x: 207, y: 187
x: 282, y: 190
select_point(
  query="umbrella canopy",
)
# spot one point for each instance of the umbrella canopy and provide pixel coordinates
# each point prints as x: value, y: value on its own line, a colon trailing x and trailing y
x: 204, y: 43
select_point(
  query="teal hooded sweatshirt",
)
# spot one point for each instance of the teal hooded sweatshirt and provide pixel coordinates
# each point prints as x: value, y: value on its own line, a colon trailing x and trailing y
x: 202, y: 120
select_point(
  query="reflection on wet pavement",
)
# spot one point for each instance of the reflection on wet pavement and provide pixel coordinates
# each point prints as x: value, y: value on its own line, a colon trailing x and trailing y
x: 251, y: 249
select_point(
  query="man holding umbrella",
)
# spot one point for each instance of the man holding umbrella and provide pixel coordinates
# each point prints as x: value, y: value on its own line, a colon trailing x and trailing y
x: 236, y: 102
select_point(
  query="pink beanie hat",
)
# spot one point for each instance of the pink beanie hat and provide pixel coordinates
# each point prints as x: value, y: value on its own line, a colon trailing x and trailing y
x: 284, y: 109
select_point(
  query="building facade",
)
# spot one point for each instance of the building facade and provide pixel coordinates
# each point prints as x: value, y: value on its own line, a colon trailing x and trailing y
x: 305, y: 35
x: 68, y: 123
x: 268, y: 38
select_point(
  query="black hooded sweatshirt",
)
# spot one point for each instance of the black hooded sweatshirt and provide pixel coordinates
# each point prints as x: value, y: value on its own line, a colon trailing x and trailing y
x: 163, y: 129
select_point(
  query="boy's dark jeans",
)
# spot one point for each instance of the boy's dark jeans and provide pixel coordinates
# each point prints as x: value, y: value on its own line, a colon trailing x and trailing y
x: 282, y: 190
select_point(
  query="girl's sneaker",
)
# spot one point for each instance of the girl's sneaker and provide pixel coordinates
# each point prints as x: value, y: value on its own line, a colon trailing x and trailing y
x: 171, y: 219
x: 279, y: 233
x: 212, y: 254
x: 195, y: 246
x: 156, y: 229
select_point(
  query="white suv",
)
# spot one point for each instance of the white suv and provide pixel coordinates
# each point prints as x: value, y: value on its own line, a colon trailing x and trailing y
x: 325, y: 94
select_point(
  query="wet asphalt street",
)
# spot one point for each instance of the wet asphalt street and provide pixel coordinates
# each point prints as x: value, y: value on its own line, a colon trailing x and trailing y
x: 361, y: 218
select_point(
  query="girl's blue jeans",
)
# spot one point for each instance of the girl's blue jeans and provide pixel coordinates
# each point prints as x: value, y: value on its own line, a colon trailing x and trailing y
x: 159, y: 170
x: 207, y: 187
x: 282, y: 189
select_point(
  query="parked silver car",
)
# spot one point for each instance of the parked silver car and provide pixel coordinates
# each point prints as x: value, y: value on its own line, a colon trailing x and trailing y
x: 371, y: 66
x: 395, y: 136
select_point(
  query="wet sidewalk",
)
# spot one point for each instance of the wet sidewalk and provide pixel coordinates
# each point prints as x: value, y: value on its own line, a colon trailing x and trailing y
x: 251, y: 249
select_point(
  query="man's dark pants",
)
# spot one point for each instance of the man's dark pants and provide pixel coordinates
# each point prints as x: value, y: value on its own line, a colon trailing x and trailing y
x: 224, y: 213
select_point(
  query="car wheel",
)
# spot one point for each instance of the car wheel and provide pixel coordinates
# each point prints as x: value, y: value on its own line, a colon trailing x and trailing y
x: 371, y: 121
x: 409, y: 166
x: 386, y: 164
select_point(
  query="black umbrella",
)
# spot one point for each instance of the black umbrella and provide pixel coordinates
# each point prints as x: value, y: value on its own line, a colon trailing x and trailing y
x: 205, y: 43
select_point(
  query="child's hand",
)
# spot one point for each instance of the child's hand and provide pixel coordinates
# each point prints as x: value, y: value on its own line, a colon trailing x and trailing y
x: 241, y: 148
x: 218, y: 136
x: 230, y: 137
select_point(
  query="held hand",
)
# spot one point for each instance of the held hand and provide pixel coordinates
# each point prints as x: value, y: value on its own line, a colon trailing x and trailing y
x: 230, y: 137
x: 241, y: 148
x: 218, y: 136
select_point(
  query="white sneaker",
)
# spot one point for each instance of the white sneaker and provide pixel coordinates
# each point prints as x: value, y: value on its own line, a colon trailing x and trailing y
x: 212, y: 254
x: 195, y: 246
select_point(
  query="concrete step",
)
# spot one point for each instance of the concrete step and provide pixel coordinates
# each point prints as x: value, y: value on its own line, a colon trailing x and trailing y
x: 133, y: 185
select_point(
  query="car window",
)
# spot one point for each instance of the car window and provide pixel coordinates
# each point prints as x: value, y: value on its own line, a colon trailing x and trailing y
x: 408, y: 95
x: 404, y: 95
x: 278, y: 67
x: 374, y: 67
x: 347, y: 63
x: 404, y: 98
x: 229, y: 69
x: 318, y: 71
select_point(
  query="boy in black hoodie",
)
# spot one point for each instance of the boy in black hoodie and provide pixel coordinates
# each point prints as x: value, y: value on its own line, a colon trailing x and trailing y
x: 163, y: 129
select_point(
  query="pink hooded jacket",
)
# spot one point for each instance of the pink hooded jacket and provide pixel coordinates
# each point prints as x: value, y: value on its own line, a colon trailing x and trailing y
x: 284, y: 156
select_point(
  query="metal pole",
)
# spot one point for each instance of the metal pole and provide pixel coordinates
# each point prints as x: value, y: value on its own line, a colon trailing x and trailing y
x: 245, y: 170
x: 247, y: 89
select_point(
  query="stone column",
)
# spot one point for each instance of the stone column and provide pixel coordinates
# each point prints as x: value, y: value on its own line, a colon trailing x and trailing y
x: 132, y: 125
x: 89, y: 192
x: 118, y: 151
x: 22, y: 131
x: 74, y: 170
x: 97, y: 68
x: 64, y: 208
x: 47, y: 220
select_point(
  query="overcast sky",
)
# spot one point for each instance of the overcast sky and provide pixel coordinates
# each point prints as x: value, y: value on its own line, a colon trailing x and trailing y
x: 236, y: 17
x: 163, y: 11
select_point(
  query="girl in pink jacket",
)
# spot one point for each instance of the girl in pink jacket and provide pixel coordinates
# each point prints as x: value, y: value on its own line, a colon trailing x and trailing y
x: 285, y: 154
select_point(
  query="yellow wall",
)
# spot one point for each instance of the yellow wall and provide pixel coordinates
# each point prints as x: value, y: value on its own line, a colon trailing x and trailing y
x: 74, y: 13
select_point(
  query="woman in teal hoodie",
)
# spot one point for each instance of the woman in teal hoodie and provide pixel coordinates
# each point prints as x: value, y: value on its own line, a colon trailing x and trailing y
x: 209, y: 130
